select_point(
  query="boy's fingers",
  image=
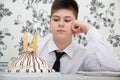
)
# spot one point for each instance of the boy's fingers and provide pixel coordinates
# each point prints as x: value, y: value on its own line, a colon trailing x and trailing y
x: 73, y: 29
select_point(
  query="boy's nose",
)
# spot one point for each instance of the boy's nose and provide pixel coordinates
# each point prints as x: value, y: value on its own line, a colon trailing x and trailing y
x: 61, y: 23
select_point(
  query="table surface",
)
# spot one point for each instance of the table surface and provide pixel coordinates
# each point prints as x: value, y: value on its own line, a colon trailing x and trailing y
x: 57, y: 76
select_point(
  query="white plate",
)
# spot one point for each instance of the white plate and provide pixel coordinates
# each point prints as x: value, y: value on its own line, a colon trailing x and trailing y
x: 102, y: 73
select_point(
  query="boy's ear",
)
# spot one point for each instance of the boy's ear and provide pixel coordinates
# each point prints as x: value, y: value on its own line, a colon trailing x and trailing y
x: 48, y: 22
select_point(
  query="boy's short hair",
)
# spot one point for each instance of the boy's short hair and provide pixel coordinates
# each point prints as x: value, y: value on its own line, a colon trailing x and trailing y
x: 65, y: 4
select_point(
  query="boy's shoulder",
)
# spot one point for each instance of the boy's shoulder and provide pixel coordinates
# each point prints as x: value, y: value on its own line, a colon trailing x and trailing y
x: 43, y: 40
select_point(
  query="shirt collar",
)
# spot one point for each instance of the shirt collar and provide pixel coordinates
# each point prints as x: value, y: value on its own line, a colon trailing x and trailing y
x: 53, y: 47
x: 68, y: 50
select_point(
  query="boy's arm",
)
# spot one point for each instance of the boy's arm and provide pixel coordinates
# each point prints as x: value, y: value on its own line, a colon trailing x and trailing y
x: 104, y: 51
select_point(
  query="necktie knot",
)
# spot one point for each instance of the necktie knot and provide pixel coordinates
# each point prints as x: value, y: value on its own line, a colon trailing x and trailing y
x: 59, y: 54
x: 56, y: 65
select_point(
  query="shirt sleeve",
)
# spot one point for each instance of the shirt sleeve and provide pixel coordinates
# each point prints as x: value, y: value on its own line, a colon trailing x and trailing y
x: 104, y: 52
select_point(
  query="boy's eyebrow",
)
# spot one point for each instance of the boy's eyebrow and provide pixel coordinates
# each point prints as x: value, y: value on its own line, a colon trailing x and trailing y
x: 55, y: 16
x: 65, y: 16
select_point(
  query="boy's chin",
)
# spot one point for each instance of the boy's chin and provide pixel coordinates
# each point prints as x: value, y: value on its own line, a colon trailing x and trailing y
x: 62, y: 37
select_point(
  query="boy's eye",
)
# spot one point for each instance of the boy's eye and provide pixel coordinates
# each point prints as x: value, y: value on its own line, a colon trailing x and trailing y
x: 67, y: 20
x: 55, y: 19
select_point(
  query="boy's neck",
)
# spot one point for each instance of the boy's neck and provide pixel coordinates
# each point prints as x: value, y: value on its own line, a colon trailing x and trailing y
x: 62, y: 44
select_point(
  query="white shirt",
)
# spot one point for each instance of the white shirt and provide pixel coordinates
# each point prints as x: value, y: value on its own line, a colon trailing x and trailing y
x: 78, y: 59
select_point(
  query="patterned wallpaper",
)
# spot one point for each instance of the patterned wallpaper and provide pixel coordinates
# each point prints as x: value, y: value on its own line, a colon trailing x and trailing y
x: 103, y: 15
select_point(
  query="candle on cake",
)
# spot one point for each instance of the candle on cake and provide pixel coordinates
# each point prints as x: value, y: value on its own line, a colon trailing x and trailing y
x: 33, y: 43
x: 25, y: 40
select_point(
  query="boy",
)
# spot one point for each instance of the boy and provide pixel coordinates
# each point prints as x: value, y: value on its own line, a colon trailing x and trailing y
x: 63, y: 26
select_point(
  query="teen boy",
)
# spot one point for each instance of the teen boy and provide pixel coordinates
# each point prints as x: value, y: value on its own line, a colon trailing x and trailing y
x: 64, y: 25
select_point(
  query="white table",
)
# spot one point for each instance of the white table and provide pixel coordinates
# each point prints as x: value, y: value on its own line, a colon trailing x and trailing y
x: 57, y: 76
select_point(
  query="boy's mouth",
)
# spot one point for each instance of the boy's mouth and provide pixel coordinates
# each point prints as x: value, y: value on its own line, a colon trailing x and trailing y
x: 60, y: 31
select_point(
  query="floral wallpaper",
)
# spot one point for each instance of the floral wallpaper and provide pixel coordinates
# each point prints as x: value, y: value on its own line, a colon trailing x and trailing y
x: 14, y: 14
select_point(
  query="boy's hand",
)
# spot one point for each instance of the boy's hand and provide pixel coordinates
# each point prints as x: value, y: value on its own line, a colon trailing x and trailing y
x: 80, y: 27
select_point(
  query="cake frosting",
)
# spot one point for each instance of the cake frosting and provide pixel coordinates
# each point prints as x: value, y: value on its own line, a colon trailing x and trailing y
x: 28, y: 61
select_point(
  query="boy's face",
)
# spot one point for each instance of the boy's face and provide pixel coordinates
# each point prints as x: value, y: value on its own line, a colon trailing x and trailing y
x: 61, y: 23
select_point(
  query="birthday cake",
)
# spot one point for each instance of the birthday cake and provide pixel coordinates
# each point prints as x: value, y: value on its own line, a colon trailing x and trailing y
x: 28, y: 61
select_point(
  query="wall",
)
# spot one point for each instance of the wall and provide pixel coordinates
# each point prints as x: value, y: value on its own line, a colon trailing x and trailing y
x: 102, y: 14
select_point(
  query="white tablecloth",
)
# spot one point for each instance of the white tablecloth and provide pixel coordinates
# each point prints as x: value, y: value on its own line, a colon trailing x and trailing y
x: 56, y: 76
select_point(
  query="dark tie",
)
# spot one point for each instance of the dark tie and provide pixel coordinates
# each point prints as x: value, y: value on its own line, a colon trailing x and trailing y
x: 56, y: 65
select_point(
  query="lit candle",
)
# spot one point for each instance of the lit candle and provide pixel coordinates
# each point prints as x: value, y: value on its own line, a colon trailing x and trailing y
x: 33, y: 43
x: 25, y: 40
